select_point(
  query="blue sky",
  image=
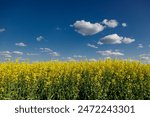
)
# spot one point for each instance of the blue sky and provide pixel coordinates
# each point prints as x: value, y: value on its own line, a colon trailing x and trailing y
x: 74, y: 29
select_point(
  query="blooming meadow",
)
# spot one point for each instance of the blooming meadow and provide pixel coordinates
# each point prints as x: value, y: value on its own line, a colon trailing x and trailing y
x: 75, y: 80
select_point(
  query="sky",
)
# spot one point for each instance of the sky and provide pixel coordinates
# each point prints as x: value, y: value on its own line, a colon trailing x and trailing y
x: 41, y: 30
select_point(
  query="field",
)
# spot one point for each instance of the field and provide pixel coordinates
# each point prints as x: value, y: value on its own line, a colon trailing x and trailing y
x: 75, y: 80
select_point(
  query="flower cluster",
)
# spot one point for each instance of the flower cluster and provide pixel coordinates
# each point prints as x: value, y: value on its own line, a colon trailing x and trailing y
x: 108, y: 79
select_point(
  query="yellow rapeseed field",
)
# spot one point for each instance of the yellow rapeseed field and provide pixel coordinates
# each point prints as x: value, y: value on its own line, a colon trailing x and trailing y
x: 108, y: 79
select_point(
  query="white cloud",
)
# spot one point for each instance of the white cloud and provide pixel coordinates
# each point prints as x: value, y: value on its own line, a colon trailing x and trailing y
x: 127, y: 40
x: 5, y: 52
x: 21, y: 44
x: 79, y: 56
x: 110, y: 53
x: 148, y: 45
x: 92, y: 59
x: 124, y: 24
x: 87, y: 28
x: 46, y: 50
x: 49, y: 51
x: 92, y: 46
x: 100, y: 43
x: 32, y: 54
x: 115, y: 39
x: 145, y: 58
x: 140, y: 46
x: 8, y: 54
x: 112, y: 39
x: 74, y: 58
x: 110, y: 23
x: 54, y: 54
x: 2, y: 29
x: 17, y: 52
x: 39, y: 38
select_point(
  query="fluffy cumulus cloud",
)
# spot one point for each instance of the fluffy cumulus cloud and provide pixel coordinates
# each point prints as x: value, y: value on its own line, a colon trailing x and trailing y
x: 40, y: 38
x: 2, y: 29
x: 124, y: 24
x: 87, y: 28
x: 21, y: 44
x: 110, y: 23
x: 127, y: 40
x: 110, y: 53
x: 115, y: 39
x: 91, y: 45
x: 112, y: 39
